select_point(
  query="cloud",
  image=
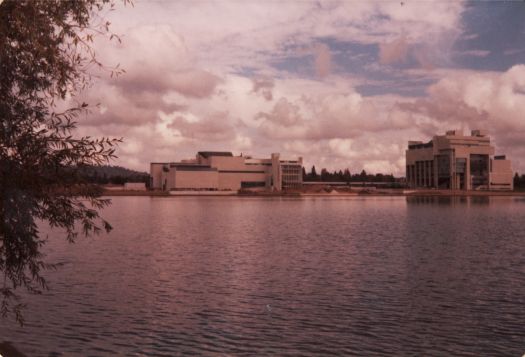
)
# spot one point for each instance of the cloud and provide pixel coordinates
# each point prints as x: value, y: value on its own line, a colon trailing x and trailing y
x: 323, y: 60
x: 392, y: 52
x: 215, y: 79
x: 189, y: 82
x: 121, y: 107
x: 423, y: 58
x: 194, y: 83
x: 496, y: 97
x: 327, y: 116
x: 338, y: 154
x: 476, y: 53
x: 232, y: 34
x: 492, y: 100
x: 283, y: 113
x: 215, y: 127
x: 157, y: 62
x: 263, y: 86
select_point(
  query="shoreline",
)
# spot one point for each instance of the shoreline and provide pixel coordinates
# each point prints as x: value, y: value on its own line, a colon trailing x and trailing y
x: 363, y: 193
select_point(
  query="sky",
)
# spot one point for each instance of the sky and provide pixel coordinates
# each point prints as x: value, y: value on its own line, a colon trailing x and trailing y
x: 344, y: 84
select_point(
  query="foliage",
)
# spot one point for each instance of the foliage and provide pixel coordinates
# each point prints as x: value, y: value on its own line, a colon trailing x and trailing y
x: 116, y: 175
x: 46, y: 59
x: 519, y: 182
x: 345, y: 176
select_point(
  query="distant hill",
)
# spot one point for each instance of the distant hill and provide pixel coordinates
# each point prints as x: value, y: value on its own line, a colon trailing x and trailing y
x: 117, y: 175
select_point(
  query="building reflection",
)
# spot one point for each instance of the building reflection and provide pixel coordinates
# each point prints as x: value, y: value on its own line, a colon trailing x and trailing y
x: 448, y: 200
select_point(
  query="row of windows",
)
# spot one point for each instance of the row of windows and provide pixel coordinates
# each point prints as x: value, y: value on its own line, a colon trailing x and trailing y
x: 292, y: 173
x: 249, y: 184
x: 421, y: 174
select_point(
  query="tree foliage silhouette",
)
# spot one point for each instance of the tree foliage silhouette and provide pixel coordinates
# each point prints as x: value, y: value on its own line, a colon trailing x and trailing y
x: 46, y: 59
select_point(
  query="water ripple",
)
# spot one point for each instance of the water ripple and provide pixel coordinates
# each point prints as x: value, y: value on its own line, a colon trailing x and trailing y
x: 288, y: 277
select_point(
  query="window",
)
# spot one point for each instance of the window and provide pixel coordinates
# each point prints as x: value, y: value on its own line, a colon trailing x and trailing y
x: 461, y: 166
x: 251, y: 184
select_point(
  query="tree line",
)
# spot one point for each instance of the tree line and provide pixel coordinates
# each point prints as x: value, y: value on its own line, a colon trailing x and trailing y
x: 345, y: 176
x: 116, y: 175
x: 519, y: 182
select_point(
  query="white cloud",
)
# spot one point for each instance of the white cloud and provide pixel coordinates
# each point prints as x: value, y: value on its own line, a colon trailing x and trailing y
x: 493, y: 101
x: 203, y: 75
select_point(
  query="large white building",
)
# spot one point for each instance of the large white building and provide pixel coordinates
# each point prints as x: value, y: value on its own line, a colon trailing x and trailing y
x: 458, y: 162
x: 217, y: 170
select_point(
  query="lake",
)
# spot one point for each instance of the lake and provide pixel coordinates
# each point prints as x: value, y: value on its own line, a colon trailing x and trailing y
x: 241, y: 276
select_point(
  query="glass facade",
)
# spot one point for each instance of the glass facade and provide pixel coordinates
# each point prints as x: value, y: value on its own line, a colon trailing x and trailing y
x: 479, y: 170
x: 443, y: 170
x: 291, y: 175
x: 456, y: 161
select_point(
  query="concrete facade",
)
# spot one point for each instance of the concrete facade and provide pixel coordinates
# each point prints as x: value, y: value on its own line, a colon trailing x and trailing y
x: 135, y: 186
x: 457, y: 162
x: 223, y: 171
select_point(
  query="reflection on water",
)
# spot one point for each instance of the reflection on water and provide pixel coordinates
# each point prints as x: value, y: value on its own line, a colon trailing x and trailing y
x: 451, y: 200
x: 429, y: 276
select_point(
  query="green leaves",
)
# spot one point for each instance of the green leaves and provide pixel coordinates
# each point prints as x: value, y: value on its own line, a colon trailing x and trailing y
x: 45, y: 57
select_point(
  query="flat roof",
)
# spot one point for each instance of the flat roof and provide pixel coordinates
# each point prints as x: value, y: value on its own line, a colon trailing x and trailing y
x: 207, y: 154
x: 186, y: 167
x: 421, y: 145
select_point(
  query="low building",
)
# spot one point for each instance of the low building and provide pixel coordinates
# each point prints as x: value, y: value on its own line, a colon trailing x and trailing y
x: 217, y: 170
x: 458, y: 162
x: 135, y: 186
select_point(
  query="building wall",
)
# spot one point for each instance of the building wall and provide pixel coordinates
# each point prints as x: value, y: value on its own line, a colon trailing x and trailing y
x: 227, y: 163
x: 455, y: 161
x: 276, y: 179
x: 233, y: 180
x: 135, y: 186
x: 420, y: 166
x: 169, y: 178
x: 195, y: 179
x: 231, y: 173
x: 501, y: 177
x: 156, y: 175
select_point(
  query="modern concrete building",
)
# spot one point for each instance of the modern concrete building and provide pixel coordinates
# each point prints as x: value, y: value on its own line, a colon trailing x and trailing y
x: 212, y: 170
x: 458, y: 162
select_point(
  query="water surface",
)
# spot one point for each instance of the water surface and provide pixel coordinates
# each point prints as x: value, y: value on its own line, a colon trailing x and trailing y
x: 245, y: 276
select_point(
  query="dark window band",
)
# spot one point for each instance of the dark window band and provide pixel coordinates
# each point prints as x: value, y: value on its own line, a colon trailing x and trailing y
x: 241, y: 172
